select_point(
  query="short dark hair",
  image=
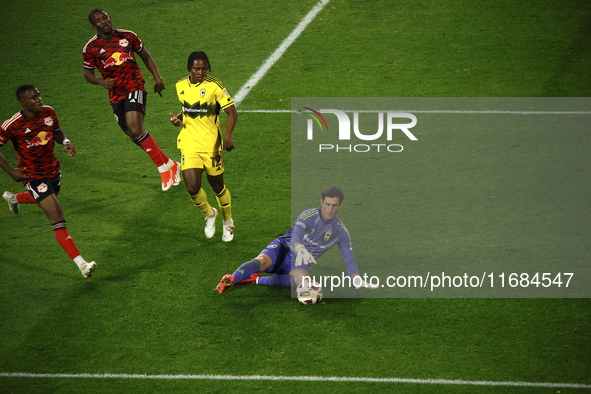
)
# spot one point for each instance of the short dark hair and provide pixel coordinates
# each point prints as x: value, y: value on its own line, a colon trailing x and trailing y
x: 333, y: 191
x: 198, y: 55
x: 21, y: 90
x: 94, y: 12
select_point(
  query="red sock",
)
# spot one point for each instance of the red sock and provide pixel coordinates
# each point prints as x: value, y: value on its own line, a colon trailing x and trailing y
x: 25, y: 198
x: 150, y: 146
x: 65, y: 240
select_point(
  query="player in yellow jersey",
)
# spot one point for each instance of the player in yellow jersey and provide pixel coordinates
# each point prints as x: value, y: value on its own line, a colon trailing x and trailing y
x: 201, y: 141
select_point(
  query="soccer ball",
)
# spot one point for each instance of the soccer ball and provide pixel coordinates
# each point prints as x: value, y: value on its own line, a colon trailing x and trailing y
x: 309, y: 293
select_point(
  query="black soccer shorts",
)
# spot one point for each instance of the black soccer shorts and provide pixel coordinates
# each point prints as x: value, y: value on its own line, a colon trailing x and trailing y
x: 135, y: 101
x: 40, y: 189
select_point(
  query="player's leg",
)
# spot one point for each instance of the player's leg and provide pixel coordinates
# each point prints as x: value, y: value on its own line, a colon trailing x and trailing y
x: 281, y: 265
x: 269, y: 260
x: 247, y: 273
x: 14, y: 200
x: 224, y: 200
x: 130, y: 114
x: 45, y: 194
x: 192, y: 174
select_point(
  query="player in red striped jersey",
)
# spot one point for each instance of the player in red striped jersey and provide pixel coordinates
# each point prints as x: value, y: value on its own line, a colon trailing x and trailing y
x: 33, y: 132
x: 112, y: 52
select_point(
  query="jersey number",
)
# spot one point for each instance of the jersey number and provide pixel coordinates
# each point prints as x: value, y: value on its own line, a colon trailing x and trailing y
x: 216, y: 161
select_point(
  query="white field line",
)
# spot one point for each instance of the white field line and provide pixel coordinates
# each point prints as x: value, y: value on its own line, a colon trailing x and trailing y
x: 295, y: 378
x: 275, y: 56
x: 281, y: 111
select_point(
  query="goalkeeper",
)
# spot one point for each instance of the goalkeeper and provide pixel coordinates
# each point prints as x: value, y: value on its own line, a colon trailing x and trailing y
x: 289, y: 257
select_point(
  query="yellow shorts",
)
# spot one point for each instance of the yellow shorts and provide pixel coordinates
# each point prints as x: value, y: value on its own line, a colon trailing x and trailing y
x: 212, y: 163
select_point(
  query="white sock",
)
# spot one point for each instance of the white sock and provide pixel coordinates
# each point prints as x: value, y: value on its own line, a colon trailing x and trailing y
x: 79, y: 261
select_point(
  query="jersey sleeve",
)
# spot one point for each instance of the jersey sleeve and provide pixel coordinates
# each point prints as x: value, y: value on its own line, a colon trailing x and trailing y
x: 297, y: 233
x: 88, y: 59
x: 56, y: 122
x: 4, y: 138
x: 301, y: 225
x: 223, y: 97
x: 136, y: 43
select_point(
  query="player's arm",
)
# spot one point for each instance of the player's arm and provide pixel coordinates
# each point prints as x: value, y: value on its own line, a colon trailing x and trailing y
x: 17, y: 174
x: 151, y: 65
x: 60, y: 138
x: 350, y: 264
x: 91, y: 77
x: 230, y: 124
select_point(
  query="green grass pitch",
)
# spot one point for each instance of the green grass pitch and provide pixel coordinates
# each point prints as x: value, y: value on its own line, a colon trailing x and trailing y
x: 151, y: 309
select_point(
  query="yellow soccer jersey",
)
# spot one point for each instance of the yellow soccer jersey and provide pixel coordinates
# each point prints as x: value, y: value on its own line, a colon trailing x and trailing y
x: 201, y: 105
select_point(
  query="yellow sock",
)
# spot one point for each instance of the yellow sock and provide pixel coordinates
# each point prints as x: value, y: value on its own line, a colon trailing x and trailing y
x: 225, y: 202
x: 200, y: 201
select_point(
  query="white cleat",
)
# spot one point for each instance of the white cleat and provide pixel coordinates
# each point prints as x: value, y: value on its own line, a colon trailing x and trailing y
x: 228, y: 233
x: 12, y: 203
x: 210, y: 223
x: 87, y: 269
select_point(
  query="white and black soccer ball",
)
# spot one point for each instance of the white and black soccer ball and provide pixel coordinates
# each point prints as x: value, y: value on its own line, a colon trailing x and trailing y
x: 309, y: 293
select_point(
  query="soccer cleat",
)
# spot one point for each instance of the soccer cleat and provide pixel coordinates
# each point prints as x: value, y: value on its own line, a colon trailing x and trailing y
x: 228, y: 233
x: 176, y: 173
x: 87, y: 269
x: 251, y: 280
x: 167, y: 180
x: 12, y: 203
x: 226, y: 281
x: 210, y: 223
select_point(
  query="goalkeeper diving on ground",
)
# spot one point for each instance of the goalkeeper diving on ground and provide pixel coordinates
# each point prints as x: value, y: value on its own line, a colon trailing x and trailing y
x: 289, y: 257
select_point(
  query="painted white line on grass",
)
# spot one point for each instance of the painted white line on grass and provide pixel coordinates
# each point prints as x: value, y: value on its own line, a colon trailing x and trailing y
x: 275, y: 56
x: 296, y: 378
x: 281, y: 111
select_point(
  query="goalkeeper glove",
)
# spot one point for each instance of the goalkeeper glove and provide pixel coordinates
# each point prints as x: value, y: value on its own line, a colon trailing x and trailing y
x: 303, y: 256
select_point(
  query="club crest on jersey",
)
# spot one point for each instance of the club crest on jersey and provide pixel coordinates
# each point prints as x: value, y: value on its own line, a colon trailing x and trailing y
x: 328, y: 234
x: 123, y: 42
x: 202, y: 92
x: 48, y: 121
x: 42, y: 188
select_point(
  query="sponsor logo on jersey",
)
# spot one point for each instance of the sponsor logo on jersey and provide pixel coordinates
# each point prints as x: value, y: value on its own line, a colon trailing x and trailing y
x: 117, y: 59
x: 40, y: 139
